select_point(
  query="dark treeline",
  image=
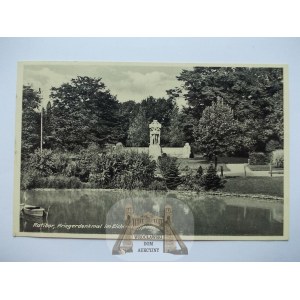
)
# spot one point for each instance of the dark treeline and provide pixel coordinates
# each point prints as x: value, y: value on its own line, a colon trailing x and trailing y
x: 229, y: 111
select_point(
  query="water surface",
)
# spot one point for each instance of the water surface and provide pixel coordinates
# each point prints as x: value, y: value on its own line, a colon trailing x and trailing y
x: 103, y: 212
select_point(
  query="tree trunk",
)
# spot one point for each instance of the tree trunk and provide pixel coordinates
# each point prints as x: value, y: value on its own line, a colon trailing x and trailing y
x: 216, y: 161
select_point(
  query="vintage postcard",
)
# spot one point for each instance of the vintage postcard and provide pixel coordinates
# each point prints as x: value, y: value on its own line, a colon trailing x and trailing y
x: 124, y: 151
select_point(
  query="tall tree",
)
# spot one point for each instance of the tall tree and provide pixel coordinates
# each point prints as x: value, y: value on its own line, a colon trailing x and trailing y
x: 159, y: 109
x: 254, y: 94
x: 31, y: 118
x: 177, y: 136
x: 138, y: 132
x: 48, y: 126
x: 127, y: 112
x: 216, y: 131
x: 84, y: 112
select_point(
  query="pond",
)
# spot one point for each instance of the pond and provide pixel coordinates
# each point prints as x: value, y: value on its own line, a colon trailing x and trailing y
x: 103, y: 212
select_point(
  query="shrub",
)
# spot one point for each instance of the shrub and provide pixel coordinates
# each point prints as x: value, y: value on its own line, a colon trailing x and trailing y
x: 170, y: 171
x: 257, y: 158
x: 126, y: 170
x: 199, y: 172
x: 273, y: 145
x: 59, y: 182
x: 30, y: 179
x: 41, y: 162
x: 87, y: 161
x: 190, y: 180
x: 158, y: 185
x: 278, y: 158
x: 172, y: 177
x: 50, y: 163
x: 60, y: 162
x: 164, y: 163
x: 210, y: 179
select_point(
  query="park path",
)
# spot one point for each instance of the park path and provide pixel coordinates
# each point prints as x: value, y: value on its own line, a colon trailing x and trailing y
x: 239, y: 170
x: 235, y: 170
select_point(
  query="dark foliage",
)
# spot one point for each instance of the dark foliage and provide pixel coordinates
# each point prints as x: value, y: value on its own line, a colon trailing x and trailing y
x: 170, y: 171
x: 126, y: 170
x: 83, y: 111
x: 199, y: 172
x: 190, y: 181
x: 158, y: 185
x: 257, y: 158
x: 211, y: 180
x: 31, y: 121
x: 254, y: 94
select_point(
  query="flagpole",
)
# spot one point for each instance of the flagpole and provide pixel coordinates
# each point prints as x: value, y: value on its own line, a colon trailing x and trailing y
x: 42, y: 130
x: 41, y: 123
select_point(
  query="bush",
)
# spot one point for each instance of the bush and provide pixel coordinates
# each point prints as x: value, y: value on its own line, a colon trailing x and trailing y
x: 50, y: 163
x: 199, y: 172
x: 41, y: 163
x: 158, y: 185
x: 87, y: 161
x: 30, y: 179
x: 257, y: 158
x: 33, y: 180
x: 126, y: 170
x: 190, y: 181
x: 172, y: 177
x: 278, y: 158
x: 170, y: 171
x: 60, y: 182
x: 273, y: 145
x: 211, y: 180
x: 164, y: 163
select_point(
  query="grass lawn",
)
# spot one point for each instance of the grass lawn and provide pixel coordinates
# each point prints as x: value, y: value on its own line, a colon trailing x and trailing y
x: 255, y: 185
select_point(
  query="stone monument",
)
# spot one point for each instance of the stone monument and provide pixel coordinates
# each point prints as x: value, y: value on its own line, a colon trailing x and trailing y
x: 154, y: 146
x: 119, y: 147
x: 186, y: 151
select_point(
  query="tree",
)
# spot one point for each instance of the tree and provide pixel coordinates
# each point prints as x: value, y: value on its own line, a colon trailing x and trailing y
x: 83, y: 112
x: 31, y: 119
x: 170, y: 171
x: 249, y: 89
x: 216, y: 131
x: 138, y: 132
x: 127, y: 112
x: 177, y: 135
x: 172, y: 176
x: 254, y: 94
x: 48, y: 126
x: 159, y: 109
x: 211, y: 180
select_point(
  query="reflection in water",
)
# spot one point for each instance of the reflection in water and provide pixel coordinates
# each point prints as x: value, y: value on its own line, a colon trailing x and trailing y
x: 93, y: 211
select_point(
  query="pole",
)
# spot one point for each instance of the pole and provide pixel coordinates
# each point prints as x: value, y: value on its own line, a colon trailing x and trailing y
x: 41, y: 124
x: 42, y: 131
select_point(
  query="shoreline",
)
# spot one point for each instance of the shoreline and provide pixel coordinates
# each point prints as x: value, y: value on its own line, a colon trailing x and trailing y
x: 210, y: 193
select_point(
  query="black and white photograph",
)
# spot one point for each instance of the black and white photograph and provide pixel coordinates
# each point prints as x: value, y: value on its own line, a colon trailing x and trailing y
x: 112, y: 149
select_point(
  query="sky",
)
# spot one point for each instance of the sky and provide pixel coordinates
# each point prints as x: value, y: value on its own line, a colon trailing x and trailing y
x: 126, y: 81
